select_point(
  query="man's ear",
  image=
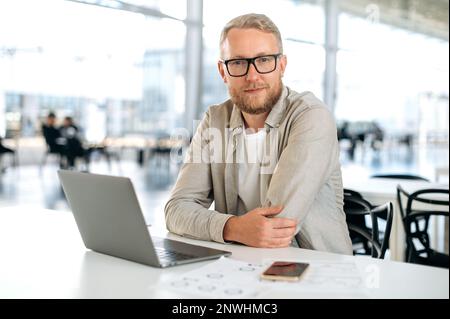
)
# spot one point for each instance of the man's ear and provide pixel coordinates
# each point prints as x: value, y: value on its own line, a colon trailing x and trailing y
x: 283, y: 63
x: 221, y: 68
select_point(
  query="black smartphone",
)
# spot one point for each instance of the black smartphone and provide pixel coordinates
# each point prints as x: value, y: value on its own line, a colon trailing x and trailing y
x: 285, y: 270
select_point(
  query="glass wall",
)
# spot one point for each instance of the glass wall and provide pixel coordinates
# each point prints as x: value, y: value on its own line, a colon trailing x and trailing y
x: 390, y: 75
x: 115, y: 72
x: 396, y: 81
x: 119, y: 72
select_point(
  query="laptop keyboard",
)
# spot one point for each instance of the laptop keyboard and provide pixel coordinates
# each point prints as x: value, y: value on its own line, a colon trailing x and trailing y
x: 164, y: 254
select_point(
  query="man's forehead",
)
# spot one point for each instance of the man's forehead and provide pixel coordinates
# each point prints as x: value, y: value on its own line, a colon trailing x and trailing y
x: 249, y: 43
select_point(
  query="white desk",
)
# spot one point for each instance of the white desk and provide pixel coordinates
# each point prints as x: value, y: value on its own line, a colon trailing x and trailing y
x: 382, y: 190
x: 43, y: 257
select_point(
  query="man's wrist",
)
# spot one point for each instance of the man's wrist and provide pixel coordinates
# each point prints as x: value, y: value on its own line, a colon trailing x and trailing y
x: 229, y: 229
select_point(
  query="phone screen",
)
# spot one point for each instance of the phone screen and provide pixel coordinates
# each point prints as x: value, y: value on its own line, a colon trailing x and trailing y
x: 285, y: 269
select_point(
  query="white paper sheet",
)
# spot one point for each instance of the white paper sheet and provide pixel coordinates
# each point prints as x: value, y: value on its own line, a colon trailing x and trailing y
x: 228, y: 278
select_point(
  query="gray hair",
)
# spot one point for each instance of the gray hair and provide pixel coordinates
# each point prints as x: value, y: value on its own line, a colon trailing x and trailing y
x: 252, y: 21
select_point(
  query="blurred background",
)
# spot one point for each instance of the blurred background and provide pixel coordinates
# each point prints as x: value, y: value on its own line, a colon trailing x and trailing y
x: 134, y: 76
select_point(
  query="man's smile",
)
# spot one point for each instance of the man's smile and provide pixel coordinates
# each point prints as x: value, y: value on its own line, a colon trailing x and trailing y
x: 255, y: 90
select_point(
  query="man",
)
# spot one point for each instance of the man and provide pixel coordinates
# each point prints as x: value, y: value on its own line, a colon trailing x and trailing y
x: 268, y: 157
x: 73, y: 147
x: 53, y: 138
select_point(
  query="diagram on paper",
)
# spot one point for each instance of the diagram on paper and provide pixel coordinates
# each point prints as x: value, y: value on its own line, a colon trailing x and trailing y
x: 225, y: 278
x: 228, y: 278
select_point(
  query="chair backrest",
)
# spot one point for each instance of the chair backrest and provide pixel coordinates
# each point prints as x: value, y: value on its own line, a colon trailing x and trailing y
x: 401, y: 176
x: 349, y: 193
x: 356, y: 208
x: 416, y: 222
x: 51, y: 134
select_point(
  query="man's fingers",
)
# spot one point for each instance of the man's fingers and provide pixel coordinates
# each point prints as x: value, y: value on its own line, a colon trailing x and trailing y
x: 278, y: 222
x: 283, y: 232
x: 280, y: 242
x: 268, y: 211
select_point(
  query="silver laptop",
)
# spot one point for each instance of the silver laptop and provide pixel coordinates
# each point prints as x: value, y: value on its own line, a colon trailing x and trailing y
x: 110, y: 221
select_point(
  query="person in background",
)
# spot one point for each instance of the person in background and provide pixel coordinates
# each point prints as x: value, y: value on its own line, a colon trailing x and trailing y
x: 73, y: 145
x: 53, y: 138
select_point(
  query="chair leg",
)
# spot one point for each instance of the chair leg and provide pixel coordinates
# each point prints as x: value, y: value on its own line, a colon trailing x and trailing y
x: 409, y: 254
x: 15, y: 162
x: 62, y: 162
x: 108, y: 158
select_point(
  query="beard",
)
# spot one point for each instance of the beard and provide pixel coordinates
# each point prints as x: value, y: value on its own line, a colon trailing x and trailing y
x: 253, y: 104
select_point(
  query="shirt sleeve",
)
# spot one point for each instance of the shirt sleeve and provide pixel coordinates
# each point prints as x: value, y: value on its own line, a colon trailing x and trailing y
x: 305, y: 164
x: 187, y: 211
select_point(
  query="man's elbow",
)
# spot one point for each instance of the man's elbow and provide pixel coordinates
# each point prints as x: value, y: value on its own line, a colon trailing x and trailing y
x: 169, y: 215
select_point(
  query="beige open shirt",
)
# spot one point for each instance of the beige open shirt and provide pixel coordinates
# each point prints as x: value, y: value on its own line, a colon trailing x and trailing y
x: 301, y: 172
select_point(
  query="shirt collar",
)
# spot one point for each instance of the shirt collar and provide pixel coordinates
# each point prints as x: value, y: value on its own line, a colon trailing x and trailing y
x: 276, y: 115
x: 274, y: 118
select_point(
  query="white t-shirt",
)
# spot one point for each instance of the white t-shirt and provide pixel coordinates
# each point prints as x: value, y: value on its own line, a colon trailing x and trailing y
x: 250, y: 155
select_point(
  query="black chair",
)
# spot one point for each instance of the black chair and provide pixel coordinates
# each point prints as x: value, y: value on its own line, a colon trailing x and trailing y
x: 7, y: 151
x: 100, y: 150
x: 351, y: 193
x: 356, y: 212
x: 13, y: 161
x: 416, y: 222
x: 401, y: 176
x: 374, y: 241
x: 54, y: 146
x: 50, y: 151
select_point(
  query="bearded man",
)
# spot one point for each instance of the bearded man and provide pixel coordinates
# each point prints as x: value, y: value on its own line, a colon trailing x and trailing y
x: 268, y: 158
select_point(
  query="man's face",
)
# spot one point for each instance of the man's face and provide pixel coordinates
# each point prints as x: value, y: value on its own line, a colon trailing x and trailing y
x: 253, y: 93
x: 51, y: 121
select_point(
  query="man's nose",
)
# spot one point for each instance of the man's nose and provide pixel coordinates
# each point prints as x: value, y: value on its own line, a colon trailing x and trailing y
x: 252, y: 74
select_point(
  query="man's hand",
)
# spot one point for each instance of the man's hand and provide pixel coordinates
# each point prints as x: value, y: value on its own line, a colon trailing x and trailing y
x: 258, y: 229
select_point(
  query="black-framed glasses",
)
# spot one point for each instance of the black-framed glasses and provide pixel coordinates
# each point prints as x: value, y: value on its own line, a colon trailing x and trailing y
x: 263, y: 64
